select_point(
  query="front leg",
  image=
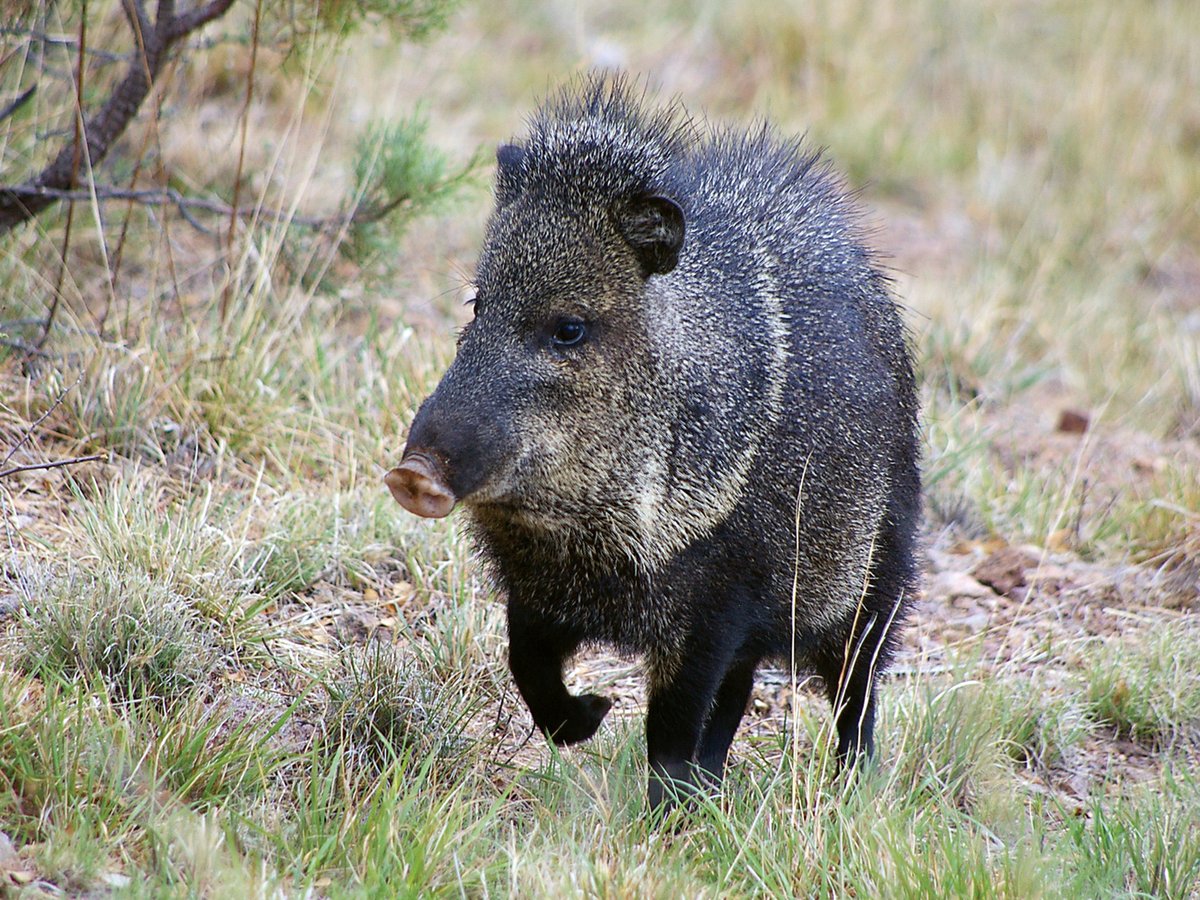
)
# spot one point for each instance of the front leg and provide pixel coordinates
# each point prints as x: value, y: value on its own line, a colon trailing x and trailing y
x: 728, y: 708
x: 681, y: 695
x: 536, y: 652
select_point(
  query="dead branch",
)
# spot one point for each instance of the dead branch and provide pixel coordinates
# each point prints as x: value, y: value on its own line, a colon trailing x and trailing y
x: 17, y: 103
x: 227, y: 291
x: 42, y: 418
x: 185, y: 23
x: 24, y: 348
x: 62, y: 40
x: 29, y: 432
x: 364, y: 214
x: 21, y: 203
x: 57, y: 464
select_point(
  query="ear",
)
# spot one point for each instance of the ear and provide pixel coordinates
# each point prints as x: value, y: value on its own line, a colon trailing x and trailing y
x: 510, y: 159
x: 653, y: 226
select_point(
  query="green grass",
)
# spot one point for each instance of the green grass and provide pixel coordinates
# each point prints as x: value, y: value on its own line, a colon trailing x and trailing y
x: 130, y: 635
x: 382, y: 707
x: 1148, y: 688
x: 187, y: 707
x: 1145, y: 844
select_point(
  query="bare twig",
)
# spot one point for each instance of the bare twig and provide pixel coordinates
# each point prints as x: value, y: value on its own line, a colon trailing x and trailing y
x: 135, y: 12
x: 69, y: 42
x: 40, y: 419
x: 76, y: 153
x: 188, y: 22
x: 139, y: 22
x: 170, y: 197
x: 62, y: 40
x: 119, y: 253
x: 58, y: 464
x: 26, y: 349
x: 16, y: 104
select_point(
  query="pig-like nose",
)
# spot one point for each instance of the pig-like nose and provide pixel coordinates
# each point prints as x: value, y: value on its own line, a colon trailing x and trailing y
x: 418, y: 486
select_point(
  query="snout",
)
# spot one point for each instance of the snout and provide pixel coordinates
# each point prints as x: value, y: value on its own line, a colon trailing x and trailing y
x: 419, y: 485
x: 460, y: 444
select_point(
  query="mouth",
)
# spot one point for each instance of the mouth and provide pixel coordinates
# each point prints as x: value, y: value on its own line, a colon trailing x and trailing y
x: 495, y: 507
x: 527, y: 513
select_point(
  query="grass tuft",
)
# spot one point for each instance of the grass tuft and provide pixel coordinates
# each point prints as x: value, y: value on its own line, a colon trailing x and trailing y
x: 1147, y: 688
x: 132, y: 636
x: 1144, y: 844
x: 384, y: 708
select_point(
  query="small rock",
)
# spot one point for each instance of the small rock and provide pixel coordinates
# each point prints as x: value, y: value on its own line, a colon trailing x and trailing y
x: 1004, y: 570
x: 14, y: 870
x: 948, y: 585
x: 1072, y: 421
x: 356, y: 626
x: 1148, y: 464
x: 1054, y: 572
x: 1060, y: 540
x: 8, y: 853
x: 977, y: 622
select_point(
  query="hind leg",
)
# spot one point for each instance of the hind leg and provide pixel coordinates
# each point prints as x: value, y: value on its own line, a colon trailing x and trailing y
x: 850, y: 675
x: 850, y: 685
x: 868, y: 635
x: 850, y: 670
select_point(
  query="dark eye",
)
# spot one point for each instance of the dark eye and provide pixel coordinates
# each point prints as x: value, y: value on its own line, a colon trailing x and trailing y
x: 569, y: 333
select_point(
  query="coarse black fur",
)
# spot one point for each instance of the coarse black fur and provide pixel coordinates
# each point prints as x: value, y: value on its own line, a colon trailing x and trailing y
x: 683, y: 421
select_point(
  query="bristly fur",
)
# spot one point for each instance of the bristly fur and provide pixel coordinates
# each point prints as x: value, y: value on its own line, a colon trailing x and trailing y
x: 721, y: 464
x: 597, y: 141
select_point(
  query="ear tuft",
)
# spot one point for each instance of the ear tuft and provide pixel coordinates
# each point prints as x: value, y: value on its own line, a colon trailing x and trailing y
x: 653, y: 226
x: 510, y: 159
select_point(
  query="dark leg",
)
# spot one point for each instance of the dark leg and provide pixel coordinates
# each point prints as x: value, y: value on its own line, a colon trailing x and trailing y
x: 853, y: 700
x: 849, y: 676
x: 536, y: 651
x: 675, y: 718
x: 728, y: 709
x: 850, y: 672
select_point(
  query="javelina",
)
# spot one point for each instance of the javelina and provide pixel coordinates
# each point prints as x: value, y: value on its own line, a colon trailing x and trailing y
x: 682, y: 421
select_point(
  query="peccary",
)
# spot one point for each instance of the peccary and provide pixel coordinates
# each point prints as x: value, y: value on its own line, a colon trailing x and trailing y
x: 683, y: 423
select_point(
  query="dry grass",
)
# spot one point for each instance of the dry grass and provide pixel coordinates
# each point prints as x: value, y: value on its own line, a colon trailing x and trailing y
x: 229, y: 665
